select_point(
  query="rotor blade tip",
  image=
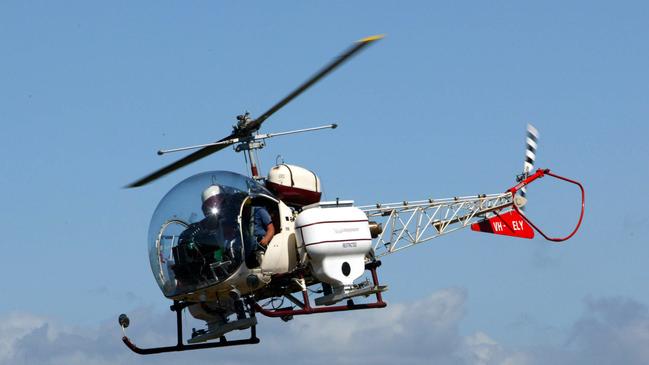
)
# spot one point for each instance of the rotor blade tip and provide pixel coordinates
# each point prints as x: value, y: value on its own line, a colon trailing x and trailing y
x: 371, y: 38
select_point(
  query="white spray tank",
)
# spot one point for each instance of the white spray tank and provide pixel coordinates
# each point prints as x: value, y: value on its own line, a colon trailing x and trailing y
x: 337, y: 238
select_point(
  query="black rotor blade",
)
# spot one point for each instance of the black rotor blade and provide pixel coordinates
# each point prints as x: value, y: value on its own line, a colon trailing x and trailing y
x: 254, y: 125
x: 355, y: 48
x: 195, y: 156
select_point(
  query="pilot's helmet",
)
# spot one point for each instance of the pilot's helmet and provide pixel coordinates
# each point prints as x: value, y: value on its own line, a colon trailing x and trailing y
x: 212, y: 198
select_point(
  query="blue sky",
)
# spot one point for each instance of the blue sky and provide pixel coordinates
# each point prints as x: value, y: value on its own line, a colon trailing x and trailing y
x: 89, y: 91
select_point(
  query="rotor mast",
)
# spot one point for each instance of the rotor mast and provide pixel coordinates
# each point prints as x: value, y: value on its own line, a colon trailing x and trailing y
x: 258, y: 141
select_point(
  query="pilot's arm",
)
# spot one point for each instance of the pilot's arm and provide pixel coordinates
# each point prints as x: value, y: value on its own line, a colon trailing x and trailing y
x: 270, y: 232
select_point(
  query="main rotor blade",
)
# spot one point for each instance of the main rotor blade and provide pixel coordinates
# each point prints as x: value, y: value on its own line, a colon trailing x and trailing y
x: 355, y: 48
x: 254, y: 125
x: 195, y: 156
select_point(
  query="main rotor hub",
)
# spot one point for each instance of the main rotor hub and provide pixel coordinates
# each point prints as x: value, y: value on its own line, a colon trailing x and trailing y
x: 243, y: 121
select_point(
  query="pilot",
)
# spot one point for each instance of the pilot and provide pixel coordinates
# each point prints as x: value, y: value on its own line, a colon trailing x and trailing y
x: 263, y: 229
x: 211, y: 199
x: 196, y: 250
x: 211, y: 240
x: 215, y: 219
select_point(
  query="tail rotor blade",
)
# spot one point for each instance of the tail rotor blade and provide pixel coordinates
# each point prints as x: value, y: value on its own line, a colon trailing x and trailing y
x: 530, y: 152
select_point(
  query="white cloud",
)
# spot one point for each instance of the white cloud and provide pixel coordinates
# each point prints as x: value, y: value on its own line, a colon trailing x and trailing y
x: 612, y: 330
x: 12, y: 329
x: 405, y: 333
x: 480, y: 349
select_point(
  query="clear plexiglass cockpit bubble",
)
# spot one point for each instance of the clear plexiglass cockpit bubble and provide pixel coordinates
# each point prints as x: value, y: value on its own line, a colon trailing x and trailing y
x: 195, y: 239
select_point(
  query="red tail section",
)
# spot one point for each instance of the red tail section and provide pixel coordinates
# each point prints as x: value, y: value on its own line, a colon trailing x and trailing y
x: 507, y: 224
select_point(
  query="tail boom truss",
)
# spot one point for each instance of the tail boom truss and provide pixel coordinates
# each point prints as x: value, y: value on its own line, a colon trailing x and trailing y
x: 406, y: 224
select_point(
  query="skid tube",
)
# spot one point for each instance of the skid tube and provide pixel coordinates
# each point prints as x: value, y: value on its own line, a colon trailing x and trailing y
x: 180, y: 346
x: 306, y: 307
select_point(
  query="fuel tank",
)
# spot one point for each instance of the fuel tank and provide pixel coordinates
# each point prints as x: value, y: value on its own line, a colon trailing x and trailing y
x: 294, y: 185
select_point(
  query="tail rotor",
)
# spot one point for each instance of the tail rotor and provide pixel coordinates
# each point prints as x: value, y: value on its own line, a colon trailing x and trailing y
x: 530, y: 155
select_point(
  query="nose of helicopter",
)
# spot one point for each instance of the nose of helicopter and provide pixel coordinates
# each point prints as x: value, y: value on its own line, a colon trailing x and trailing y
x: 194, y: 236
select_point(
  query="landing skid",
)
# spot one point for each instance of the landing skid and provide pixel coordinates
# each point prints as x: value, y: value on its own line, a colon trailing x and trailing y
x: 180, y: 346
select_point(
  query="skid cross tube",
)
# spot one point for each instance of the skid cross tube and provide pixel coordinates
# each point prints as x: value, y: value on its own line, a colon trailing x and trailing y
x: 306, y: 307
x: 180, y: 346
x: 537, y: 175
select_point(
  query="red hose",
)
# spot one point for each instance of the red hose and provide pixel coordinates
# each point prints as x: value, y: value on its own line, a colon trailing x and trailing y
x: 539, y: 174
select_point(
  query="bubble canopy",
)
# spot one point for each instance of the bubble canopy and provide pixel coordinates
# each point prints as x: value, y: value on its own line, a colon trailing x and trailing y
x: 194, y: 236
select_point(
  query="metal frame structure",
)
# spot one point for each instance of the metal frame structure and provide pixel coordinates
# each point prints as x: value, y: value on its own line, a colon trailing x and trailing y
x: 305, y: 306
x: 407, y: 224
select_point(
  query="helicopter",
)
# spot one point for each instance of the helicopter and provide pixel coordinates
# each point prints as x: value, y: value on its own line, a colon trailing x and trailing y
x: 227, y: 247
